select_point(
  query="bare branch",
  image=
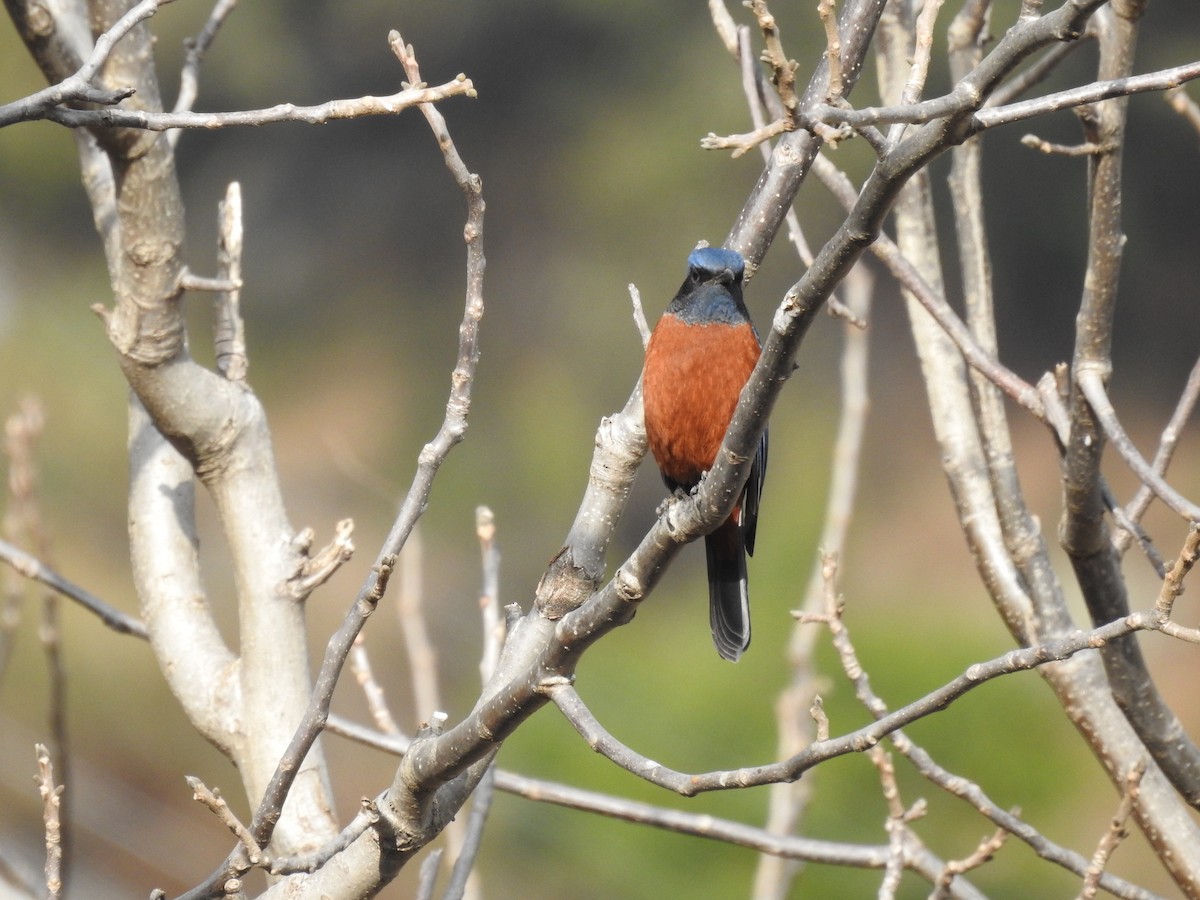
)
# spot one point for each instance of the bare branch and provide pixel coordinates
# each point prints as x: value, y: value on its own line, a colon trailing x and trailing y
x: 923, y: 50
x: 569, y: 703
x: 51, y: 799
x: 367, y: 816
x: 833, y: 48
x: 418, y: 647
x: 197, y: 47
x: 489, y: 596
x: 31, y: 567
x: 897, y: 823
x: 318, y: 568
x: 1114, y: 835
x: 1162, y: 80
x: 217, y: 805
x: 1162, y: 458
x: 987, y: 848
x: 639, y: 315
x: 338, y: 648
x: 740, y: 143
x: 1050, y: 149
x: 229, y: 331
x: 724, y: 25
x: 929, y: 769
x: 1172, y: 587
x: 78, y: 88
x: 963, y: 98
x: 772, y: 197
x: 451, y: 432
x: 481, y: 804
x: 787, y: 802
x: 1091, y: 383
x: 934, y: 302
x: 360, y: 665
x: 694, y: 824
x: 428, y: 874
x: 783, y: 70
x: 330, y: 111
x: 1184, y: 105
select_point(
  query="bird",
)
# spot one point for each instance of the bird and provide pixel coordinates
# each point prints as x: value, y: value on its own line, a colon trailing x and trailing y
x: 698, y: 359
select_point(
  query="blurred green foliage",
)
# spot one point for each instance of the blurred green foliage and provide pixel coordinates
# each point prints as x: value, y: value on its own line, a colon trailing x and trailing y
x: 586, y: 133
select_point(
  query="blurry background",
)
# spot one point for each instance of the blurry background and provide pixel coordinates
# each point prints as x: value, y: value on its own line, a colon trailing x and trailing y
x: 586, y: 134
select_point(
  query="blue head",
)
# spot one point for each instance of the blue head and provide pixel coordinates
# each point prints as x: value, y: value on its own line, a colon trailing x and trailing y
x: 712, y: 292
x: 716, y: 264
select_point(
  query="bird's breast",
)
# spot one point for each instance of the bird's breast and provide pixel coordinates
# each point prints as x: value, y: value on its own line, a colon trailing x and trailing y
x: 693, y: 377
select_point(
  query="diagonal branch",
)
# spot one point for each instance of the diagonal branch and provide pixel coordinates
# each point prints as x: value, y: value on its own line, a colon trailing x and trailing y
x: 30, y: 566
x: 1091, y: 383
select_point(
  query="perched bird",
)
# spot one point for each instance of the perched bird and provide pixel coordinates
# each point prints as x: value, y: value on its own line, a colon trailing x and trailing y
x: 697, y: 362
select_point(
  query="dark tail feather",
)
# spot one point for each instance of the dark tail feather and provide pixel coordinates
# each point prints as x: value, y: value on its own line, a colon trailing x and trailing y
x: 728, y: 601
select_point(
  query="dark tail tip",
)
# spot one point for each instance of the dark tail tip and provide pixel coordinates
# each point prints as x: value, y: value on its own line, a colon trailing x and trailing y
x: 728, y: 599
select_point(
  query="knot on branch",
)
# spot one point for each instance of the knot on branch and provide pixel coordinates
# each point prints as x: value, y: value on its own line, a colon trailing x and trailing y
x: 565, y: 585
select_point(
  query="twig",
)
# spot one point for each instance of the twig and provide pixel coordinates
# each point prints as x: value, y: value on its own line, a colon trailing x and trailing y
x: 360, y: 666
x: 24, y: 522
x: 217, y: 805
x: 783, y: 77
x: 367, y: 816
x: 270, y: 807
x: 1051, y: 149
x: 896, y: 824
x: 1179, y: 101
x: 1036, y: 73
x: 197, y: 47
x: 319, y: 567
x: 336, y: 652
x: 963, y: 99
x: 948, y: 781
x: 639, y: 315
x: 481, y: 804
x: 489, y: 596
x: 1091, y: 383
x: 827, y: 12
x: 1162, y: 457
x: 1162, y: 80
x: 724, y: 25
x: 756, y: 97
x: 1172, y: 587
x: 987, y: 848
x: 740, y: 143
x: 229, y: 330
x: 922, y: 50
x: 51, y: 798
x: 418, y: 646
x: 1115, y: 834
x: 783, y: 70
x: 31, y: 567
x: 320, y: 114
x: 428, y: 874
